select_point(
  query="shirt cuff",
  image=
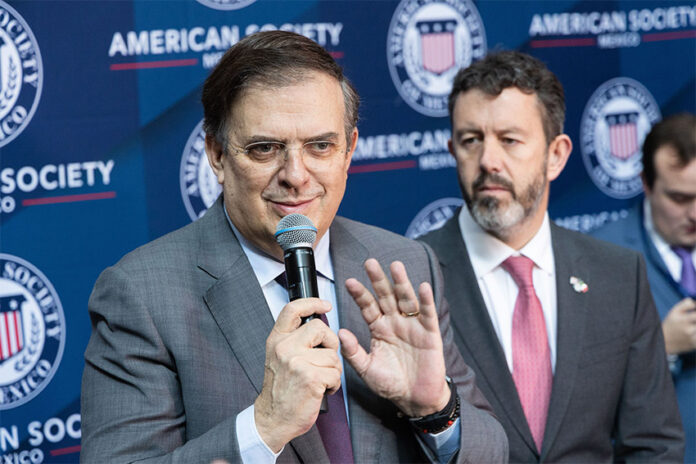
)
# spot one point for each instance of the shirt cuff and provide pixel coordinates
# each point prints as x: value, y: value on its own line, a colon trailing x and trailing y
x: 251, y: 446
x: 445, y: 443
x: 674, y: 363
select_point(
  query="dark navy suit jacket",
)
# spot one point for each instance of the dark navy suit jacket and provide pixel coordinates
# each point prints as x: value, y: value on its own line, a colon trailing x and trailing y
x: 629, y: 232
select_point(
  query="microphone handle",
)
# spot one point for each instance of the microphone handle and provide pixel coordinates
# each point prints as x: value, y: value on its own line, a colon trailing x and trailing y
x: 301, y: 275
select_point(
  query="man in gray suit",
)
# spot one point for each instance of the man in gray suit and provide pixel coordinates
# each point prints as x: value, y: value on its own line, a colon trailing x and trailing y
x: 560, y: 328
x: 197, y: 355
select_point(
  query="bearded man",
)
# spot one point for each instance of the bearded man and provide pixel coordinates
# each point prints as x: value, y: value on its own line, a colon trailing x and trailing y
x: 560, y: 328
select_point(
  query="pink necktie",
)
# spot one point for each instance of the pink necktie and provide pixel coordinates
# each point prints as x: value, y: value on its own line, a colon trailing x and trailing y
x: 531, y: 359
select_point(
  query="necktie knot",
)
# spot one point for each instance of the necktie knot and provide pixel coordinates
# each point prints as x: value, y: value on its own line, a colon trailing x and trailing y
x: 683, y: 252
x: 520, y: 269
x: 282, y: 280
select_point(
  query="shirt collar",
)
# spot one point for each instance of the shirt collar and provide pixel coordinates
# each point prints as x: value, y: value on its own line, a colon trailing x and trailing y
x: 660, y: 244
x: 487, y: 252
x: 267, y: 268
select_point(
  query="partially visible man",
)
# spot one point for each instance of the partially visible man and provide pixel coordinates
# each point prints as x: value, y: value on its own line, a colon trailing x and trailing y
x: 559, y: 327
x: 663, y: 228
x: 196, y: 353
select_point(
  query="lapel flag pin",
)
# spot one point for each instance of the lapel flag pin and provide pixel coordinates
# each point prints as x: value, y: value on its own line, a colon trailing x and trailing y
x: 578, y: 285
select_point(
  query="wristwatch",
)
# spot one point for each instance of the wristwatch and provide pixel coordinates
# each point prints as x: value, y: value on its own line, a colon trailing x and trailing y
x: 443, y: 419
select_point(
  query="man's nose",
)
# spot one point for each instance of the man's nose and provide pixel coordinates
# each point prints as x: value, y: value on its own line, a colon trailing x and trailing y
x: 691, y: 210
x: 293, y: 170
x: 491, y: 156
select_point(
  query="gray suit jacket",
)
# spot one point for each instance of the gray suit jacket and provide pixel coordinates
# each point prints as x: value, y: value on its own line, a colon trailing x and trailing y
x: 178, y: 348
x: 612, y: 398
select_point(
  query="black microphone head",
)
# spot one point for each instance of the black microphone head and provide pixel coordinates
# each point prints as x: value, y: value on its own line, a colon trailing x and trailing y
x: 295, y: 230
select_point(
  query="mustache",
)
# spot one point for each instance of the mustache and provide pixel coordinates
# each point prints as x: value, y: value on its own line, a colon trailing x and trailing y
x: 486, y: 178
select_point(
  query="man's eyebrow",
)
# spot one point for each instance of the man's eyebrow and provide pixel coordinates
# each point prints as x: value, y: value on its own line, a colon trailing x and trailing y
x: 260, y: 138
x: 324, y: 136
x: 512, y: 129
x: 681, y: 193
x: 467, y: 130
x: 256, y: 138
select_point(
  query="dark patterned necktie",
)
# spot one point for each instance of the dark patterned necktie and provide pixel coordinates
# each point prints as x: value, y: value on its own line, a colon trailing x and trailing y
x: 332, y: 424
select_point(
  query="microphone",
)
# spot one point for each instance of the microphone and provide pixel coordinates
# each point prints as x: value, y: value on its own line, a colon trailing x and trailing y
x: 295, y: 234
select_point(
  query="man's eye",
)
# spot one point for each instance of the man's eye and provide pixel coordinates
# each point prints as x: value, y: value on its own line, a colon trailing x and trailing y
x: 469, y: 141
x: 680, y: 199
x: 263, y: 150
x: 320, y: 147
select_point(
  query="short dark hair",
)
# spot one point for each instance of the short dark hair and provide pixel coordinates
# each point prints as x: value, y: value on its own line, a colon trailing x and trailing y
x: 678, y: 131
x: 271, y: 58
x: 504, y: 69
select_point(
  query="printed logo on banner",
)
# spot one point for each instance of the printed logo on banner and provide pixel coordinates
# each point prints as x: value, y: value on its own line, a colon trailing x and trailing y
x: 226, y: 4
x: 199, y: 186
x: 614, y: 124
x: 32, y: 331
x: 427, y: 43
x: 21, y: 74
x: 612, y: 28
x: 433, y: 216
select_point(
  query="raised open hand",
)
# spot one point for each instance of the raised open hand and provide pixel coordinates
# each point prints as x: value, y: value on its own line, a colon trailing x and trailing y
x: 406, y: 363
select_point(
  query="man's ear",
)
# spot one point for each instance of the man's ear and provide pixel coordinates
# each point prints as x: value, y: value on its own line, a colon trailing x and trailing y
x: 646, y: 188
x: 351, y: 147
x: 216, y: 154
x: 559, y: 151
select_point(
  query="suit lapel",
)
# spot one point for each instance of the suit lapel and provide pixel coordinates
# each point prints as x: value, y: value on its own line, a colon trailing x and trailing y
x: 239, y: 307
x: 571, y: 312
x: 348, y: 256
x: 472, y: 324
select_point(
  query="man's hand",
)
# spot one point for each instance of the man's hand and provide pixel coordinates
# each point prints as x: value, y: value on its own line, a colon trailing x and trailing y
x: 679, y: 327
x: 406, y: 364
x: 296, y: 373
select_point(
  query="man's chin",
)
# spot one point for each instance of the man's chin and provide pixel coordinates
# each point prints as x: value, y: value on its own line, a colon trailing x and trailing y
x: 497, y: 218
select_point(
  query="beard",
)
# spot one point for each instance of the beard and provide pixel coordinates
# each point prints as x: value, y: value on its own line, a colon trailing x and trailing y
x: 496, y: 216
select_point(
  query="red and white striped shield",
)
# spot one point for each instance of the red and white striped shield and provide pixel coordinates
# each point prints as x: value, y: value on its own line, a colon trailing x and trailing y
x: 11, y: 330
x: 623, y: 134
x: 437, y: 45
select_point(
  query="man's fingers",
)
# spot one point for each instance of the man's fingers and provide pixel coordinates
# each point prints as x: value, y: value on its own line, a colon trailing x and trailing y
x: 685, y: 305
x: 364, y: 299
x: 323, y: 357
x: 382, y: 286
x: 289, y: 318
x: 353, y: 352
x: 315, y: 333
x: 405, y: 295
x: 428, y: 311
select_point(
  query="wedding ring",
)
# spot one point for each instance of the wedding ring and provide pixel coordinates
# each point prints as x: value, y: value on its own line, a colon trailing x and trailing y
x: 413, y: 314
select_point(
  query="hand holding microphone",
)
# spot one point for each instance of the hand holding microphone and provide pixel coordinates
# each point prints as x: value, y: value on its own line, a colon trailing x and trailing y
x: 302, y: 360
x: 295, y: 234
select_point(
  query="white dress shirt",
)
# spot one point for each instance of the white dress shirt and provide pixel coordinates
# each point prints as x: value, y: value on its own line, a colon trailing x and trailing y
x: 498, y: 288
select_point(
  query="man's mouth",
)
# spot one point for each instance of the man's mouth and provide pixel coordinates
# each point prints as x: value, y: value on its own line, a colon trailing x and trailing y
x: 286, y: 207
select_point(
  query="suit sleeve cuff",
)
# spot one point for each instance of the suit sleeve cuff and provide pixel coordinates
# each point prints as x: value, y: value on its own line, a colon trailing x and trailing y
x: 251, y: 446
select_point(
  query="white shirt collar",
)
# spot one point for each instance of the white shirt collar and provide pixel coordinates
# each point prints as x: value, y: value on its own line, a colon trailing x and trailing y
x: 267, y: 268
x: 487, y: 252
x: 660, y: 243
x: 671, y: 260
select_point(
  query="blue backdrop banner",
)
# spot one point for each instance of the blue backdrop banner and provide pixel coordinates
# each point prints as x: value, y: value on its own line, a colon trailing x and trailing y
x: 101, y: 146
